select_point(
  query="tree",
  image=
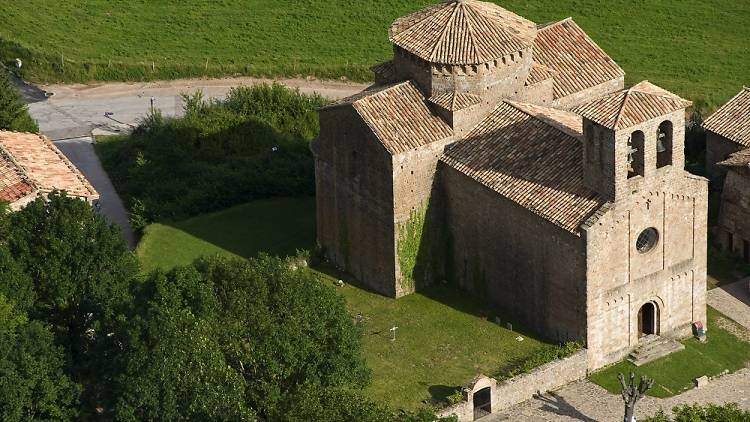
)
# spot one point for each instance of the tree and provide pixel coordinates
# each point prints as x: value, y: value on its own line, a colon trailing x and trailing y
x: 236, y: 338
x: 82, y: 270
x: 631, y: 393
x: 14, y: 114
x: 32, y: 383
x: 728, y: 412
x: 175, y: 368
x: 283, y: 330
x: 16, y: 285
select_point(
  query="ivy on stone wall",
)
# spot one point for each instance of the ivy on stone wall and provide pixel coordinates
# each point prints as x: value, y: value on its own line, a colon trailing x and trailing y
x: 408, y: 247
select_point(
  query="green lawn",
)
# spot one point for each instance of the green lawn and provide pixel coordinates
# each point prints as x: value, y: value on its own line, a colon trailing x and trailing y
x: 444, y: 339
x: 697, y: 48
x: 675, y: 373
x: 276, y: 226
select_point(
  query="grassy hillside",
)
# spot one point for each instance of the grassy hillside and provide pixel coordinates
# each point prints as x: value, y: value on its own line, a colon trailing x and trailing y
x: 696, y: 47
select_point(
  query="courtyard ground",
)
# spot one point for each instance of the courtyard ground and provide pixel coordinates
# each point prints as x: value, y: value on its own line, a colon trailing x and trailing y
x: 696, y: 48
x: 443, y: 339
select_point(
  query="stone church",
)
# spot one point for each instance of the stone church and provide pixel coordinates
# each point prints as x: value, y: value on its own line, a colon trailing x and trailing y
x: 507, y: 157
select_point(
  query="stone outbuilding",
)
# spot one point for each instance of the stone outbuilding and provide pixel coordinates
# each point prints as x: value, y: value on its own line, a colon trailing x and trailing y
x: 32, y: 166
x: 507, y: 157
x: 728, y: 165
x: 727, y: 132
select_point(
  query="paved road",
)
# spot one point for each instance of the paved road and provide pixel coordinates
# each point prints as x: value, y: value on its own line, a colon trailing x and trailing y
x: 81, y: 152
x: 75, y: 110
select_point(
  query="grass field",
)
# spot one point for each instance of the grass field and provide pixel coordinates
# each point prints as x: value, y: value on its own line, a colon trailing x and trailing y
x: 697, y: 48
x: 444, y: 339
x: 675, y: 373
x: 275, y: 226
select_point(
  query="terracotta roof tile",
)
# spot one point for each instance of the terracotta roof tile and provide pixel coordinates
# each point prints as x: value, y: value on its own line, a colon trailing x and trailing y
x: 738, y: 159
x: 732, y: 120
x: 45, y: 165
x: 385, y: 70
x: 566, y: 121
x: 453, y: 101
x: 631, y: 107
x: 462, y: 32
x: 14, y: 184
x: 539, y: 73
x: 578, y: 61
x: 529, y: 162
x: 398, y: 115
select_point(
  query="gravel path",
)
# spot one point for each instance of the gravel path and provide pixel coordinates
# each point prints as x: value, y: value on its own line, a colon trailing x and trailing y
x: 588, y: 402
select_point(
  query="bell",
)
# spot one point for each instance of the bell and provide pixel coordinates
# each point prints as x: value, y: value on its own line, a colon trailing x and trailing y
x: 660, y: 146
x: 659, y: 143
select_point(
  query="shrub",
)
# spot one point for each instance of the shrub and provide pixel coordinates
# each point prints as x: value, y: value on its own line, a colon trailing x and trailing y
x: 14, y: 115
x: 728, y: 412
x: 250, y: 146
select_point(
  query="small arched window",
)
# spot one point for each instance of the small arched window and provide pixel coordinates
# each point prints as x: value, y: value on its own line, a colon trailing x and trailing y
x: 636, y: 157
x: 664, y: 144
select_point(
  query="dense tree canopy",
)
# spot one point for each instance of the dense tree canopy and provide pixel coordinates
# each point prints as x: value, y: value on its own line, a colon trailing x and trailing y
x: 14, y: 114
x: 83, y: 334
x: 32, y: 383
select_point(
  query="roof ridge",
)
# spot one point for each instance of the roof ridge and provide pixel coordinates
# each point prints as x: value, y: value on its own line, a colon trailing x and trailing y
x: 440, y: 40
x: 467, y: 14
x: 518, y: 105
x: 24, y: 174
x: 622, y: 107
x: 428, y: 16
x: 69, y: 164
x: 553, y: 23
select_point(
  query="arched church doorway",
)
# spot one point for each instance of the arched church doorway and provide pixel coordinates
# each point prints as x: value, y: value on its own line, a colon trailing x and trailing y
x: 482, y: 403
x: 648, y: 319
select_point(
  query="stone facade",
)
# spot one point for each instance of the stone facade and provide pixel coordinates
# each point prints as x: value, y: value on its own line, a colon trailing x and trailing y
x: 554, y: 195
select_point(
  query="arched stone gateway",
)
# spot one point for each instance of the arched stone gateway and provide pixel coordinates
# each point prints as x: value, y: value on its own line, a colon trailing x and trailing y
x: 481, y: 392
x: 648, y: 319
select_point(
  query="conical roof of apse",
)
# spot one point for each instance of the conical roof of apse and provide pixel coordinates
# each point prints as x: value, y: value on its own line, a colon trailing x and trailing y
x: 462, y: 32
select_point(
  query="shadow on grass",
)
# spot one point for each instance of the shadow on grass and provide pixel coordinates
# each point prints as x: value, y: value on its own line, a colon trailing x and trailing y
x: 278, y: 227
x: 440, y: 393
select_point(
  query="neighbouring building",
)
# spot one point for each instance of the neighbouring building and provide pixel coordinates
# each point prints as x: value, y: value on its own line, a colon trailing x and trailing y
x: 32, y: 166
x: 728, y: 164
x: 727, y: 132
x: 508, y: 158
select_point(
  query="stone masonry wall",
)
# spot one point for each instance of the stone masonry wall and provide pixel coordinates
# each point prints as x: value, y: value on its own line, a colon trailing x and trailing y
x: 718, y: 148
x: 734, y: 216
x: 528, y: 268
x: 523, y: 387
x: 354, y: 194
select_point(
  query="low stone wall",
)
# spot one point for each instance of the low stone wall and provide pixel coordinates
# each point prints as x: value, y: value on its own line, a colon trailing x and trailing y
x: 522, y: 387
